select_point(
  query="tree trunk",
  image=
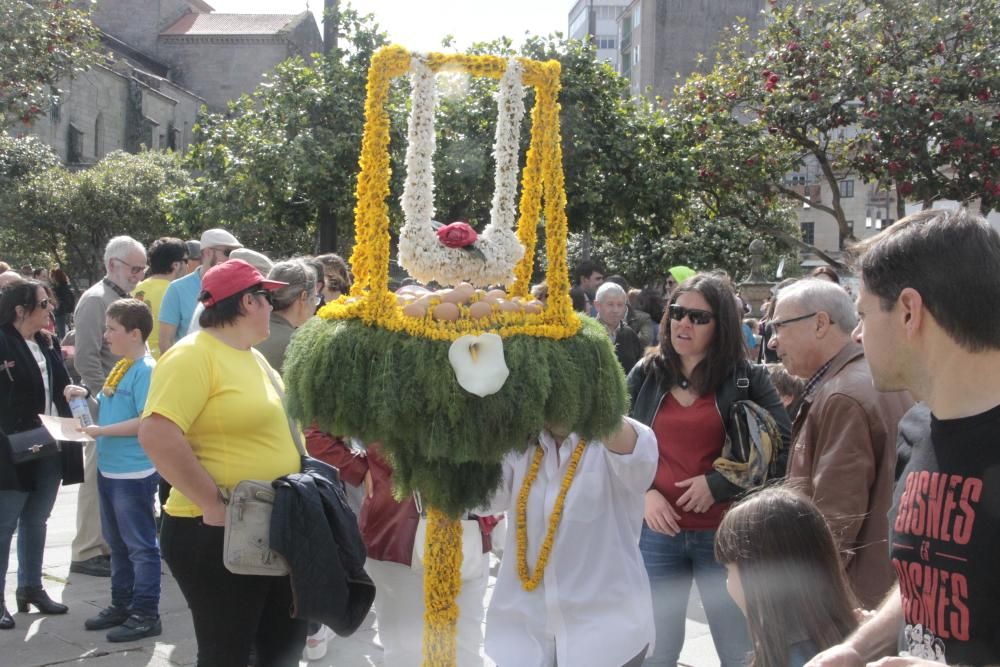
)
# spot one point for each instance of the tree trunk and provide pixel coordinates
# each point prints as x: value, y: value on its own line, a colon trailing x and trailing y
x: 326, y: 221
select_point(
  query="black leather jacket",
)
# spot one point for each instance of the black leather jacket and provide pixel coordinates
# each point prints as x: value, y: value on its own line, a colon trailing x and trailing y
x: 646, y: 393
x: 317, y: 533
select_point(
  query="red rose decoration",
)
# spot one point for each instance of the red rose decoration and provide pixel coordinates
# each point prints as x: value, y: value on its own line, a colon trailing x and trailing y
x: 457, y: 235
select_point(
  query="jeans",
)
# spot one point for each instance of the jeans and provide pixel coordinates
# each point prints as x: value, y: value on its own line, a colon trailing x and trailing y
x: 231, y: 612
x: 671, y: 563
x: 129, y: 527
x: 28, y: 513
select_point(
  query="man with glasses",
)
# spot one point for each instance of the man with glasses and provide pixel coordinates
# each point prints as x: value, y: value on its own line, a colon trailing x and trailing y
x: 181, y: 297
x: 124, y: 264
x: 843, y: 438
x: 293, y: 305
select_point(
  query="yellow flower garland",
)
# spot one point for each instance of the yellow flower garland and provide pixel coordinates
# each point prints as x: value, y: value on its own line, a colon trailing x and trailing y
x: 542, y: 177
x: 442, y: 584
x: 115, y: 376
x: 530, y: 581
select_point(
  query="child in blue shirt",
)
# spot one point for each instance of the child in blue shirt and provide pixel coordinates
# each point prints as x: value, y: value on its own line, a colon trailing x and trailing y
x: 127, y: 479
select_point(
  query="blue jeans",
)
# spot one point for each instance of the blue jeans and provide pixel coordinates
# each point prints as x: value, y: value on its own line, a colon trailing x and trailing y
x: 28, y: 513
x: 671, y: 563
x: 129, y: 527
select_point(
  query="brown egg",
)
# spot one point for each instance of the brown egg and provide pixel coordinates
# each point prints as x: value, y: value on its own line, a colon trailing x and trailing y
x: 414, y: 310
x: 463, y: 293
x: 452, y: 296
x: 425, y: 300
x: 510, y: 307
x: 532, y: 307
x: 496, y: 295
x: 445, y: 311
x: 480, y: 309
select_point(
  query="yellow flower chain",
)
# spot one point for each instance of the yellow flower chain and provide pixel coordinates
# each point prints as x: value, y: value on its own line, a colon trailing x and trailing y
x: 442, y: 583
x: 370, y: 299
x: 528, y: 581
x: 116, y: 375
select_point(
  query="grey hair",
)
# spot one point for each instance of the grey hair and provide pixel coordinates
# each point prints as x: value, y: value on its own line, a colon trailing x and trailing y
x: 609, y: 288
x: 300, y: 276
x: 119, y: 247
x: 822, y: 295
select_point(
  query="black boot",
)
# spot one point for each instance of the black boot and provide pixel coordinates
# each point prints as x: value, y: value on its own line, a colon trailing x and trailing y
x: 37, y: 596
x: 6, y: 620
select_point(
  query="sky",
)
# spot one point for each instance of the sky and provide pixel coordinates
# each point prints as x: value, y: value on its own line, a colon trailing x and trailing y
x: 420, y: 25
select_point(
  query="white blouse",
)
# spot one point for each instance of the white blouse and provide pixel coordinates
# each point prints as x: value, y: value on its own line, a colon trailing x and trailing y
x: 43, y: 366
x: 593, y: 605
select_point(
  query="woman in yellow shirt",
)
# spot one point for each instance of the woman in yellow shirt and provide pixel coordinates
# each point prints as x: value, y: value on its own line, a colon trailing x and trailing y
x: 212, y: 419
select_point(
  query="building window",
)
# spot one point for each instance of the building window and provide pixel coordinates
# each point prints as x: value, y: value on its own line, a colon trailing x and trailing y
x: 847, y: 188
x: 808, y: 232
x: 606, y: 42
x: 74, y: 145
x: 98, y: 136
x: 637, y: 16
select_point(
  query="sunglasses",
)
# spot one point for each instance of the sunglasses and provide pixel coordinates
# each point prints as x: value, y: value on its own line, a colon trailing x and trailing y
x: 134, y: 270
x: 268, y: 296
x: 696, y: 315
x: 44, y: 303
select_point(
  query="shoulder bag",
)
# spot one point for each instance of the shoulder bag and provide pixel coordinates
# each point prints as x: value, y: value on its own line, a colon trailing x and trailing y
x: 753, y: 439
x: 247, y: 542
x: 31, y: 445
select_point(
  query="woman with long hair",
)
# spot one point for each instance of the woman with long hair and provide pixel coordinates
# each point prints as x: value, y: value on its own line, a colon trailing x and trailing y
x: 684, y: 390
x: 32, y: 380
x: 784, y: 573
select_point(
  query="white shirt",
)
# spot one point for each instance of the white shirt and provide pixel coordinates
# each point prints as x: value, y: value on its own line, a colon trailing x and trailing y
x: 593, y: 606
x: 43, y: 366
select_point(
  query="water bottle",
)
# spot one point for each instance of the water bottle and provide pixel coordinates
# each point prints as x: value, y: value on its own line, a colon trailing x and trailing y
x: 78, y: 406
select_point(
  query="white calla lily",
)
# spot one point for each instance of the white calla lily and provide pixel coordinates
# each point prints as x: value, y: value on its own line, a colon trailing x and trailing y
x: 479, y: 363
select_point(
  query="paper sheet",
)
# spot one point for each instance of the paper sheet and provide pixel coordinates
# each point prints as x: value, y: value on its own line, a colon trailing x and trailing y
x: 64, y: 428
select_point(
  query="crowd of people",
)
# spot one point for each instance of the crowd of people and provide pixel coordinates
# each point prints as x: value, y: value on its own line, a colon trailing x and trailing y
x: 853, y: 523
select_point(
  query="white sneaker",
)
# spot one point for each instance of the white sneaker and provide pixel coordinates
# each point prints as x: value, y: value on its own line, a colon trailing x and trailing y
x: 315, y: 647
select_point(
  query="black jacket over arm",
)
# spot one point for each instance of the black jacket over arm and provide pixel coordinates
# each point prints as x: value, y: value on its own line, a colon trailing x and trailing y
x: 317, y: 533
x: 22, y: 399
x: 646, y: 391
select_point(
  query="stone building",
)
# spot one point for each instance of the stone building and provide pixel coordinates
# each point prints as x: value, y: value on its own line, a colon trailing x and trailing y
x: 166, y: 59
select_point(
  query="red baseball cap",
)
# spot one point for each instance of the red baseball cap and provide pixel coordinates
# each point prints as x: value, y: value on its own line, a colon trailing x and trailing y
x: 231, y: 277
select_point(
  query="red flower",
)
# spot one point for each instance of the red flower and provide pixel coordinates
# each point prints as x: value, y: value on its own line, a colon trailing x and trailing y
x: 937, y: 115
x: 936, y: 80
x: 905, y: 188
x: 826, y: 44
x: 983, y: 95
x: 457, y: 235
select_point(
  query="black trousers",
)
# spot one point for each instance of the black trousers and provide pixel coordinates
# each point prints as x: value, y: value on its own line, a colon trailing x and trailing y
x: 231, y: 612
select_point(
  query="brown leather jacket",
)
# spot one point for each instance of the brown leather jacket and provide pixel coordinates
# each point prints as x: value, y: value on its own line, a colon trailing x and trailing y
x: 843, y: 456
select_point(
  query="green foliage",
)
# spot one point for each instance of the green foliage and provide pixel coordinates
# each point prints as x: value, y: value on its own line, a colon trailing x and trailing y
x: 69, y: 216
x: 41, y: 41
x: 445, y: 442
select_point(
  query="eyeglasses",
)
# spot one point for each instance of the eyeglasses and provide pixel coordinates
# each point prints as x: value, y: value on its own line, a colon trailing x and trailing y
x: 134, y: 270
x: 773, y: 327
x: 44, y: 303
x: 697, y: 316
x: 268, y: 296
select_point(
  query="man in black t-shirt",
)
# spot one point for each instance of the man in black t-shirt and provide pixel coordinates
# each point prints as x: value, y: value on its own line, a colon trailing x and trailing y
x: 930, y: 323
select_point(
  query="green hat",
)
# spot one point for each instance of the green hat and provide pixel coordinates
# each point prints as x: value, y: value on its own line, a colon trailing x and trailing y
x: 681, y: 273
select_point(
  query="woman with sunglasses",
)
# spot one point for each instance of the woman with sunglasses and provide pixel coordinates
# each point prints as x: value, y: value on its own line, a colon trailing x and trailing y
x: 32, y: 379
x: 683, y: 390
x: 213, y: 418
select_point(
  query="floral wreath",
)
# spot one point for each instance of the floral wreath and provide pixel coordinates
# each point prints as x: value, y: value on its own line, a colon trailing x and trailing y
x: 490, y: 258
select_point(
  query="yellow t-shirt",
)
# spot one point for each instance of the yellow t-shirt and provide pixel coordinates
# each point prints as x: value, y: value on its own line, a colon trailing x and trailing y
x: 151, y: 290
x: 224, y: 402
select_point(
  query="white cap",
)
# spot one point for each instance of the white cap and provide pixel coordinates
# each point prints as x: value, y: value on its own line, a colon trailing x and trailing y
x: 257, y: 260
x: 219, y: 238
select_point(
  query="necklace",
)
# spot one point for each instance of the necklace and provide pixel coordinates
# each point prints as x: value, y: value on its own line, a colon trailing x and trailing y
x: 116, y: 375
x: 528, y: 581
x: 683, y: 382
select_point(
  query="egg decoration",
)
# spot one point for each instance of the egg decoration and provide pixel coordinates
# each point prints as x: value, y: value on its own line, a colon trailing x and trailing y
x: 415, y: 310
x: 479, y: 310
x: 446, y: 311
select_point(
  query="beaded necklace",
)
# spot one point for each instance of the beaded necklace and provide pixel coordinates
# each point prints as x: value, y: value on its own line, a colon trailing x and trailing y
x: 528, y: 581
x: 116, y: 375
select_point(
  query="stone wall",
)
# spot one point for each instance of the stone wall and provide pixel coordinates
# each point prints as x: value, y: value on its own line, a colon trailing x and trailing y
x: 138, y: 22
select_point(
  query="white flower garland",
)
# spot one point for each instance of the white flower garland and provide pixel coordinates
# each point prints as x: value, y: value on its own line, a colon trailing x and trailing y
x: 420, y: 252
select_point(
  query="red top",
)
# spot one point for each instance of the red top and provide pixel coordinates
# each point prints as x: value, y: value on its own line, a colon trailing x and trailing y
x: 689, y: 440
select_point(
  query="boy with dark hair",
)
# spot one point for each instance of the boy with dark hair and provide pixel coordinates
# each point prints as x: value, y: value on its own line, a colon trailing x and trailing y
x: 127, y: 480
x: 930, y: 323
x: 168, y: 259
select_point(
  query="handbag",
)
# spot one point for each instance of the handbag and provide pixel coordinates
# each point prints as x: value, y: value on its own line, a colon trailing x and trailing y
x: 32, y: 445
x: 753, y: 441
x: 247, y: 540
x: 472, y: 545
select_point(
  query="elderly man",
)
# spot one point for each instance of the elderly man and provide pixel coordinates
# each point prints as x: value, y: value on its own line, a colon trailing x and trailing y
x: 843, y: 438
x: 611, y: 303
x: 181, y: 297
x: 125, y: 264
